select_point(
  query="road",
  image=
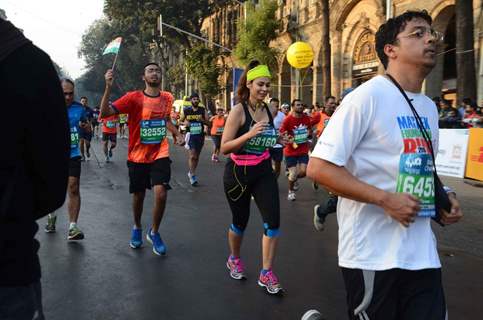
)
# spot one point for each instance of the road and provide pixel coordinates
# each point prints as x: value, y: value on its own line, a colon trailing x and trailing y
x: 102, y: 278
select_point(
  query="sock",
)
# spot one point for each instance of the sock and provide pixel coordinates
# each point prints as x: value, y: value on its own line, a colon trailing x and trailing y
x: 264, y: 271
x: 72, y: 225
x: 232, y: 257
x: 136, y: 228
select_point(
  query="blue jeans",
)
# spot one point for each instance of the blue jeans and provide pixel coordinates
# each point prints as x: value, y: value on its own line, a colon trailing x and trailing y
x: 21, y: 303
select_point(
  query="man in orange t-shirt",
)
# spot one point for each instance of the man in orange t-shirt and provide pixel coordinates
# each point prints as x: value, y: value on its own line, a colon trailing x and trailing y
x: 109, y: 134
x: 148, y: 151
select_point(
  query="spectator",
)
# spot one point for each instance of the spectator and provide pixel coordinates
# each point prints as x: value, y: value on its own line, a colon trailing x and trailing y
x: 471, y: 118
x: 437, y: 102
x: 33, y: 177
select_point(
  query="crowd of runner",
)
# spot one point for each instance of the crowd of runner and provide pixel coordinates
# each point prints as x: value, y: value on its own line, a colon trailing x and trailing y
x: 259, y: 135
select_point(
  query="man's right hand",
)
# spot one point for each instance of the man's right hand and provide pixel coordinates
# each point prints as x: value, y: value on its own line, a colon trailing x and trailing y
x: 402, y: 207
x: 109, y: 77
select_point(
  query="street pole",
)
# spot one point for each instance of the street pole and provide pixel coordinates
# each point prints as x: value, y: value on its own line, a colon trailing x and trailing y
x: 186, y: 75
x: 388, y: 9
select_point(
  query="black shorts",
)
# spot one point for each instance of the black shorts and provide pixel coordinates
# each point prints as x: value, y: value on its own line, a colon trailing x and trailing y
x: 86, y: 135
x: 395, y: 294
x: 276, y: 154
x: 196, y: 142
x: 216, y: 141
x: 109, y: 137
x: 75, y: 167
x: 143, y: 176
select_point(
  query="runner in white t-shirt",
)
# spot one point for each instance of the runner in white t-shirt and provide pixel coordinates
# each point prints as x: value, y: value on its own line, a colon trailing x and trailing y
x: 372, y: 154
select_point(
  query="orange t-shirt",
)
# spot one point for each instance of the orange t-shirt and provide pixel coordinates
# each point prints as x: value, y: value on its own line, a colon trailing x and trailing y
x: 324, y: 119
x: 144, y: 110
x: 218, y: 126
x: 109, y: 124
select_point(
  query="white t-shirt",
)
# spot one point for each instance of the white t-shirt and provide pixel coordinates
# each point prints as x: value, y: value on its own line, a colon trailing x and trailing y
x: 365, y: 135
x: 277, y: 122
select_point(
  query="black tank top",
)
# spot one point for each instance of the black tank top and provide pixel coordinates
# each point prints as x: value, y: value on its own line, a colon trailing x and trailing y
x: 249, y: 122
x: 195, y: 118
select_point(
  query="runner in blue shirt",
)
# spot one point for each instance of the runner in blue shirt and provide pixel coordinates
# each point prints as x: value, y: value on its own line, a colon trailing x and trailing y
x: 77, y: 120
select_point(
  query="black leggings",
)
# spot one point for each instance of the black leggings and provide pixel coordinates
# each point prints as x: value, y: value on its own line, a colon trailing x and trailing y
x: 241, y: 182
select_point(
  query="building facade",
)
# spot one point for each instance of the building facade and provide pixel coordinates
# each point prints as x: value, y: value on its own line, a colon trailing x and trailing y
x: 353, y: 24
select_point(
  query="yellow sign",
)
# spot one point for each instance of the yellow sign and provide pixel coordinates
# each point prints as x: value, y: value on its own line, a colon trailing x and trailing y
x: 474, y: 164
x: 300, y: 55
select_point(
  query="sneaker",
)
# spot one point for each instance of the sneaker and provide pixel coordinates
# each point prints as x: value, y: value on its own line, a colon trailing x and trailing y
x: 136, y: 238
x: 110, y: 153
x: 330, y: 205
x: 83, y: 158
x: 213, y: 157
x: 158, y: 245
x: 291, y: 196
x: 312, y: 315
x: 315, y: 186
x: 88, y: 154
x: 318, y: 220
x: 75, y: 234
x: 236, y: 268
x: 296, y: 186
x: 193, y: 180
x: 108, y: 159
x: 50, y: 225
x: 270, y: 282
x: 216, y: 158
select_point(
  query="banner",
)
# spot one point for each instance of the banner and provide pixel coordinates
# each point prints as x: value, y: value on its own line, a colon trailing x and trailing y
x: 474, y: 166
x: 451, y: 159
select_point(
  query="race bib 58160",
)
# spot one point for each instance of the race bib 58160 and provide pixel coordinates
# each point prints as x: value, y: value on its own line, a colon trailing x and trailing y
x: 267, y: 139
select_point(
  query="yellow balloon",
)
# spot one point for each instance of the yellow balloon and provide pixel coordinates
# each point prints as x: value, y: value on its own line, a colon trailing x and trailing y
x: 300, y: 55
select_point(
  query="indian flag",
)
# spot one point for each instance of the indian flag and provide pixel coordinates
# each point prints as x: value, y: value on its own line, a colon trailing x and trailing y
x: 113, y: 47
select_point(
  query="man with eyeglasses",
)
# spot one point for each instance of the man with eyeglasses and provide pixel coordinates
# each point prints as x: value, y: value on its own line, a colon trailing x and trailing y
x: 148, y: 159
x: 77, y: 120
x: 375, y: 156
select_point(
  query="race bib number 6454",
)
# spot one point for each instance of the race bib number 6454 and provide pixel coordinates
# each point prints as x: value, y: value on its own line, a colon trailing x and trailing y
x: 416, y: 178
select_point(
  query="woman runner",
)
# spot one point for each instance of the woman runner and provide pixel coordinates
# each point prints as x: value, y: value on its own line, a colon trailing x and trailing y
x: 217, y: 127
x: 248, y: 135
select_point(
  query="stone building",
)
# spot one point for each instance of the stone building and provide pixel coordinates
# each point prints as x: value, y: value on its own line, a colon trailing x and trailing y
x: 353, y: 24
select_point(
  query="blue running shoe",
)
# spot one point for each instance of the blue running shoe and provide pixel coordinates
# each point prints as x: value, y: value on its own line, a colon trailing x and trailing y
x: 158, y: 245
x: 136, y: 238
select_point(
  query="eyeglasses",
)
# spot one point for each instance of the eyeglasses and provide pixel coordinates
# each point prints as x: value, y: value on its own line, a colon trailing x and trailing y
x: 422, y: 31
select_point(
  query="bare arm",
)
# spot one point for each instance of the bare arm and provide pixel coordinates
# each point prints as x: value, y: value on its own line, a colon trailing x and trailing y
x: 402, y: 207
x: 106, y: 109
x: 234, y: 121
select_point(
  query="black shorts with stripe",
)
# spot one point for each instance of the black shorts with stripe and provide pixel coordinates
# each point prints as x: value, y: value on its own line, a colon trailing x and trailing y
x: 395, y: 294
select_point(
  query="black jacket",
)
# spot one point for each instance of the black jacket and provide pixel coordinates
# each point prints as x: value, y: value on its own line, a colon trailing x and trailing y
x: 34, y: 152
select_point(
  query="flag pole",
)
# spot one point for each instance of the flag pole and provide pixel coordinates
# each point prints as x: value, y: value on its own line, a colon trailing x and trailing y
x: 115, y: 59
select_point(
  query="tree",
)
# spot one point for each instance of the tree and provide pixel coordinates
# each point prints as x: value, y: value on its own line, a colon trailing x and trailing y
x: 256, y: 33
x: 130, y: 62
x: 326, y: 50
x: 465, y: 55
x: 202, y: 64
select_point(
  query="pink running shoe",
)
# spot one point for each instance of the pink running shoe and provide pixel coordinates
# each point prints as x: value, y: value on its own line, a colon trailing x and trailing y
x: 236, y: 268
x: 270, y: 282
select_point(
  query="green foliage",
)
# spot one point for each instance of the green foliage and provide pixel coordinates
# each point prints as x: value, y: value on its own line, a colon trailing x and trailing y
x: 255, y: 34
x: 202, y: 64
x: 129, y: 66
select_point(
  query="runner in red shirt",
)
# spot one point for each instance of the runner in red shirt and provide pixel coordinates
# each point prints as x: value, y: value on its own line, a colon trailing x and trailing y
x: 297, y: 125
x: 109, y: 133
x: 148, y: 152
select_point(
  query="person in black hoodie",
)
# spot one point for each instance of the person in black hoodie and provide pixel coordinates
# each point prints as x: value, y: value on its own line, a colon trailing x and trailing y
x: 33, y: 174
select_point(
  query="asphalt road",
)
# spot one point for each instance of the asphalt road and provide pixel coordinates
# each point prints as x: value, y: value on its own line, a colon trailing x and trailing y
x: 101, y: 277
